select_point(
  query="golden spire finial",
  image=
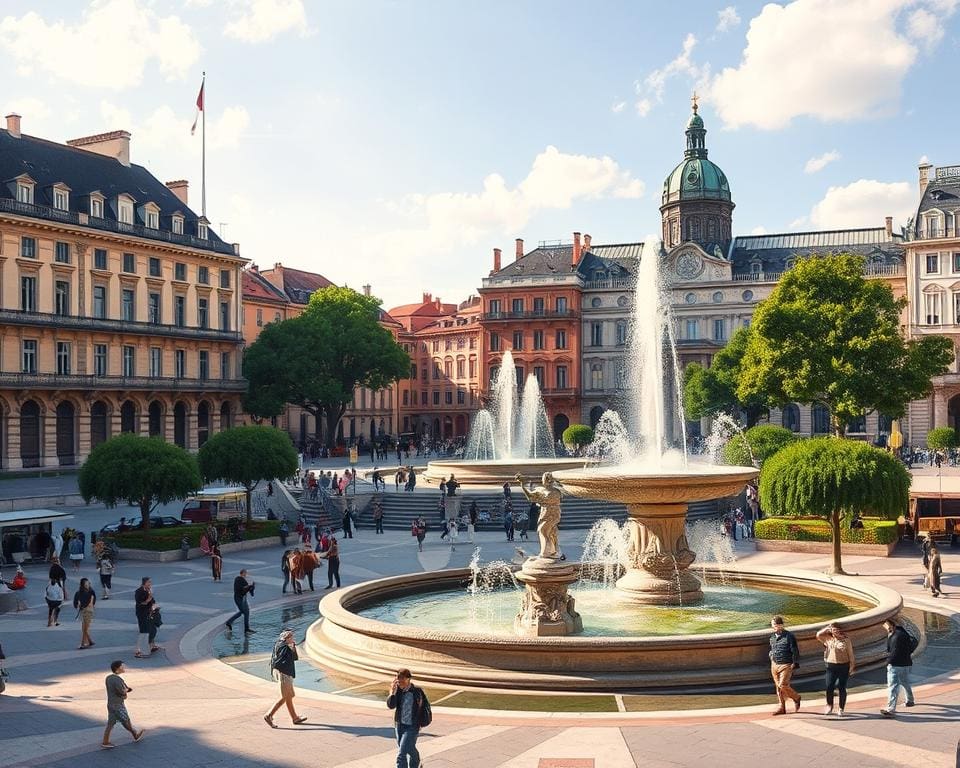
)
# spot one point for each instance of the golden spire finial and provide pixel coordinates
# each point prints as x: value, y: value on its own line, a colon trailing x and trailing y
x: 693, y: 100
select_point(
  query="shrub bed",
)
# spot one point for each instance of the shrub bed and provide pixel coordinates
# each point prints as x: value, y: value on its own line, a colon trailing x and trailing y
x: 817, y: 529
x: 168, y: 538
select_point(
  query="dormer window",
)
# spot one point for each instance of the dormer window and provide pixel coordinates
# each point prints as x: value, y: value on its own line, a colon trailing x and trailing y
x: 125, y: 211
x: 202, y: 230
x: 151, y: 216
x: 24, y: 192
x: 177, y: 225
x: 96, y: 207
x: 61, y: 198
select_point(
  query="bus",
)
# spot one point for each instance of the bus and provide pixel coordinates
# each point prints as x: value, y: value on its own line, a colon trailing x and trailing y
x: 215, y: 504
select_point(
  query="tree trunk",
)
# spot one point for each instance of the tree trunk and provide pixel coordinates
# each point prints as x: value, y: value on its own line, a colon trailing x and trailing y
x: 837, y: 567
x: 334, y: 414
x: 145, y: 510
x: 249, y: 503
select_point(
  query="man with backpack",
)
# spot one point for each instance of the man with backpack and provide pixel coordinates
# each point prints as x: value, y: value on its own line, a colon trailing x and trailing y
x: 900, y: 646
x: 411, y: 712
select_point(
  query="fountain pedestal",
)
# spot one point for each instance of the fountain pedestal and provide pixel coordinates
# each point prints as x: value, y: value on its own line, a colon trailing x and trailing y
x: 659, y: 557
x: 547, y: 610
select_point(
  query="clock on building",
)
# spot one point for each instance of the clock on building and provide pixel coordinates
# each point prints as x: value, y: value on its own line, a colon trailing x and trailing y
x: 689, y: 265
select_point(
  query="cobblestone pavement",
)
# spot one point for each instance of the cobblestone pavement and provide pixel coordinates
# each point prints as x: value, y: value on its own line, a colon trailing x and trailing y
x: 200, y: 712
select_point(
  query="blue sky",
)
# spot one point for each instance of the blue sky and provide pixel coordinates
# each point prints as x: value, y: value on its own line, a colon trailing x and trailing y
x: 398, y: 143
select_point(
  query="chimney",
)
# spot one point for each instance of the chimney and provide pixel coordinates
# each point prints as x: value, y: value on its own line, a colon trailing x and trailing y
x: 924, y: 176
x: 889, y: 227
x: 366, y: 289
x: 275, y: 276
x: 576, y: 250
x: 586, y: 242
x: 519, y: 252
x: 115, y: 144
x: 436, y: 302
x: 179, y: 188
x: 254, y: 267
x: 496, y: 259
x: 13, y: 125
x: 427, y: 298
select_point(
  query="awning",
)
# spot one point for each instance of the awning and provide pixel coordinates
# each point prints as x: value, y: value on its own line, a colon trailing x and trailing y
x: 933, y: 487
x: 32, y: 516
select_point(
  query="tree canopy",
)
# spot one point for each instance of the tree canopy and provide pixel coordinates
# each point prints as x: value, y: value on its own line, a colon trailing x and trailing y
x: 708, y: 391
x: 578, y: 435
x: 247, y: 455
x: 138, y: 470
x: 318, y: 359
x: 829, y: 477
x: 828, y: 334
x: 756, y: 445
x: 942, y: 438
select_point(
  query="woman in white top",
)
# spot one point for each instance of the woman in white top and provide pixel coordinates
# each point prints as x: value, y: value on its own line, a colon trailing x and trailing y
x: 54, y: 597
x: 106, y: 569
x: 840, y: 660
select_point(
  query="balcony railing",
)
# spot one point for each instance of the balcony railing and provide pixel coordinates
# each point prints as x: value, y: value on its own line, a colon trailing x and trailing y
x: 621, y: 283
x: 109, y: 225
x: 21, y: 318
x: 558, y: 392
x: 542, y: 314
x: 89, y: 381
x: 870, y: 270
x: 932, y: 233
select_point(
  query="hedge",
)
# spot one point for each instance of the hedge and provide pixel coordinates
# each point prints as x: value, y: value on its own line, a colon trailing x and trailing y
x: 168, y: 538
x: 818, y: 529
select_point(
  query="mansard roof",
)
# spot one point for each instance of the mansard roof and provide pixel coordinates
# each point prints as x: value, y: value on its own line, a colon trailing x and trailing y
x: 556, y: 260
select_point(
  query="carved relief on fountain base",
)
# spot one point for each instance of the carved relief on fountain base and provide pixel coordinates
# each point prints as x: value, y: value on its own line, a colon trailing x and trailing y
x: 547, y: 610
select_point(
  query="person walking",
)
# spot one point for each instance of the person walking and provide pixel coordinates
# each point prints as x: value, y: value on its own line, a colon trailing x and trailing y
x: 419, y: 529
x: 784, y: 659
x: 283, y: 666
x: 54, y: 597
x: 934, y: 570
x: 839, y: 657
x: 378, y: 516
x: 216, y: 563
x: 348, y: 522
x: 411, y: 712
x: 332, y: 556
x: 117, y: 691
x: 285, y: 569
x: 472, y: 526
x: 57, y: 573
x: 144, y: 607
x: 508, y: 519
x: 76, y: 553
x: 242, y: 588
x: 106, y: 568
x: 84, y: 600
x: 900, y: 647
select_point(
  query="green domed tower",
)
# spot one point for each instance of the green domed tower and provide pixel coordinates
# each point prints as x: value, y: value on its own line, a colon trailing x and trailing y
x: 696, y: 205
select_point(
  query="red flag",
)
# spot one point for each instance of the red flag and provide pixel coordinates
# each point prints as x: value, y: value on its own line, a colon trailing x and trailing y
x: 199, y: 109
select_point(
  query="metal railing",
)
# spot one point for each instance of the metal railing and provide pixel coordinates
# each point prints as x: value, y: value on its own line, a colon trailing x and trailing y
x: 19, y: 317
x: 870, y: 270
x: 542, y: 314
x: 109, y: 225
x: 591, y: 285
x: 89, y: 381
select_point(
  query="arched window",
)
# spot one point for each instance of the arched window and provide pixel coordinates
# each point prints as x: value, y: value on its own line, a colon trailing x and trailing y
x: 180, y: 425
x: 98, y: 423
x: 857, y: 425
x: 595, y: 413
x: 203, y: 423
x: 791, y: 417
x: 155, y: 419
x: 821, y: 419
x: 128, y: 416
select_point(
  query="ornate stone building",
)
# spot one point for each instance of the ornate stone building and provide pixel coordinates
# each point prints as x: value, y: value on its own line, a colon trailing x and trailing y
x: 119, y: 306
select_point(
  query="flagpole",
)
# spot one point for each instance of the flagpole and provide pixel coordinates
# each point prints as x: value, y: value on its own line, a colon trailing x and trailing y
x: 203, y: 167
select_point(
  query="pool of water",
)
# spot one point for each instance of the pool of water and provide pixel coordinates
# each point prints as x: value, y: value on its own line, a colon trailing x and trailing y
x: 725, y: 608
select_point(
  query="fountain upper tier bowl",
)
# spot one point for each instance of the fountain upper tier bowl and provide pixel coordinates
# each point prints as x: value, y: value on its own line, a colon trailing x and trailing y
x: 495, y: 471
x: 640, y: 484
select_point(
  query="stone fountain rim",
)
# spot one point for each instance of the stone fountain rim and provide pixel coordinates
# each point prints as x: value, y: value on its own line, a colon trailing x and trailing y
x: 709, y: 473
x: 335, y: 608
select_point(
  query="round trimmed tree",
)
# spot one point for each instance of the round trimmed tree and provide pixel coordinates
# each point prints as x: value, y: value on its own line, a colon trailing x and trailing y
x: 145, y: 471
x: 941, y: 438
x: 753, y: 447
x: 831, y: 477
x: 247, y: 455
x: 577, y: 435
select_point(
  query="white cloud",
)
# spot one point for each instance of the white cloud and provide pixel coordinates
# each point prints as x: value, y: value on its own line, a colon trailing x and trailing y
x: 110, y: 47
x: 618, y: 107
x: 643, y: 107
x: 761, y: 230
x: 683, y: 64
x: 727, y: 18
x: 815, y: 164
x: 164, y: 129
x: 863, y: 203
x: 261, y: 20
x: 29, y: 107
x: 855, y: 69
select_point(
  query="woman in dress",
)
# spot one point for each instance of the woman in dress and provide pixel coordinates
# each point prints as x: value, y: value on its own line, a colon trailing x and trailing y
x: 84, y: 600
x: 840, y: 660
x: 54, y: 598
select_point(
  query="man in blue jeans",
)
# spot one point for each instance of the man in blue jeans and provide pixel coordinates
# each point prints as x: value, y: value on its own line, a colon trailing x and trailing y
x: 900, y: 645
x: 411, y: 711
x: 242, y: 588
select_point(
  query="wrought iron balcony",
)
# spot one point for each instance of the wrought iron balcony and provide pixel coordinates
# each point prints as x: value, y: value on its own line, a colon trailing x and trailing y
x: 541, y: 314
x: 89, y: 381
x: 34, y: 319
x: 109, y: 225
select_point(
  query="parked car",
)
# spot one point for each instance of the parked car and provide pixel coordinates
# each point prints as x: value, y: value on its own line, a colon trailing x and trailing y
x: 156, y: 521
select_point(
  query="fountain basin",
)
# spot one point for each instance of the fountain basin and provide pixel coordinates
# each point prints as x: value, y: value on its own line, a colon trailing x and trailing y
x: 374, y: 649
x: 493, y: 472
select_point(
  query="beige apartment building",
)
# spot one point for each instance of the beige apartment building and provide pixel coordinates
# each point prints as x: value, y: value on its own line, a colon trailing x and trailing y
x: 120, y: 308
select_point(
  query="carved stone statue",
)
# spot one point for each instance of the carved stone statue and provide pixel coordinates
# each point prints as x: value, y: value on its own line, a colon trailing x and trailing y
x: 548, y: 497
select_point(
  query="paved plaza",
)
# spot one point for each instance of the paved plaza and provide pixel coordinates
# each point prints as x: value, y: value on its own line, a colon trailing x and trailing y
x: 199, y: 711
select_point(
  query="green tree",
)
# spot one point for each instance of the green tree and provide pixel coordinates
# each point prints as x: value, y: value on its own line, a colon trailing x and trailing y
x: 942, y: 438
x: 827, y: 334
x: 756, y: 445
x: 578, y: 435
x: 709, y: 391
x: 247, y: 455
x: 318, y: 359
x: 138, y: 470
x: 830, y: 477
